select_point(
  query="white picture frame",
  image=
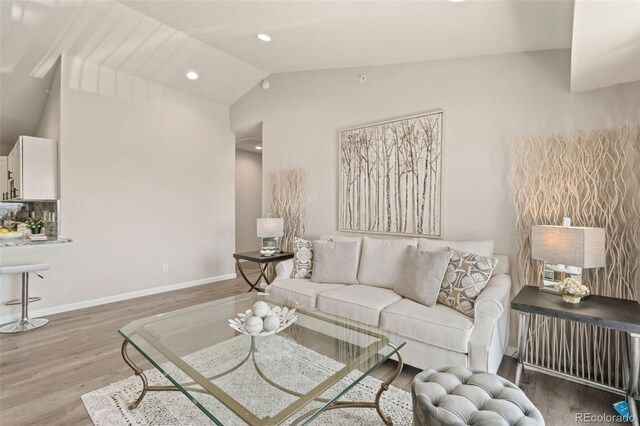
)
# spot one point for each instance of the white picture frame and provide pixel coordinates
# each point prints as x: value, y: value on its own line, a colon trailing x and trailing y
x: 390, y: 177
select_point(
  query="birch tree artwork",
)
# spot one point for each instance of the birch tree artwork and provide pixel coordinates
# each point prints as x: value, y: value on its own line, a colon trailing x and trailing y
x: 390, y: 176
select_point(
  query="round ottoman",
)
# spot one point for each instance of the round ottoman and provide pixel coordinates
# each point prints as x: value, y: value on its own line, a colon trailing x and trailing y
x: 462, y: 396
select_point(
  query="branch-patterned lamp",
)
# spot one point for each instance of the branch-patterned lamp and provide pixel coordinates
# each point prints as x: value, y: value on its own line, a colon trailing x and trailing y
x: 270, y: 230
x: 567, y: 250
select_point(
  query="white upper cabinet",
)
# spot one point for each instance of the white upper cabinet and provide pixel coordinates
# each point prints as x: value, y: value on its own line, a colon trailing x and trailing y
x: 33, y: 169
x: 4, y: 180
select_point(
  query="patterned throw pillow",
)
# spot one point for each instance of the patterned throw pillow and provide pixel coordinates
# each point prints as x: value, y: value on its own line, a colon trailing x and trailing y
x: 302, y: 258
x: 467, y: 274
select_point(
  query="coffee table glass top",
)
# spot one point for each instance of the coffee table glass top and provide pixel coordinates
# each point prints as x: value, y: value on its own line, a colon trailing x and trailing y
x: 289, y: 377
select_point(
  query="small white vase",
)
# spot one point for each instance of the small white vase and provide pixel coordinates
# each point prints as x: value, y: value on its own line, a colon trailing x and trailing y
x: 570, y: 298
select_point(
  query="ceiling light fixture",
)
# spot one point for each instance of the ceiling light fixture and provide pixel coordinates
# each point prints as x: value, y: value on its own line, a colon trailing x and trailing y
x: 263, y: 37
x: 192, y: 75
x: 258, y: 148
x: 456, y: 1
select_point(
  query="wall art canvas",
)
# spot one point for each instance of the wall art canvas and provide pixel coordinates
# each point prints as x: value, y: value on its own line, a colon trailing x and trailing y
x: 390, y: 177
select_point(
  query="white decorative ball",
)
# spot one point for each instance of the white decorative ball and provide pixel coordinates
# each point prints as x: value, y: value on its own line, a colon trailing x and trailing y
x: 260, y: 309
x: 271, y: 323
x: 253, y: 325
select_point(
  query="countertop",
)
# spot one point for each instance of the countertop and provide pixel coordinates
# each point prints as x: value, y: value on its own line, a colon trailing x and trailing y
x: 23, y: 242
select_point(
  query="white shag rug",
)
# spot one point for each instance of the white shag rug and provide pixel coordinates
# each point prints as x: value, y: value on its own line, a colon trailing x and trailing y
x: 277, y: 358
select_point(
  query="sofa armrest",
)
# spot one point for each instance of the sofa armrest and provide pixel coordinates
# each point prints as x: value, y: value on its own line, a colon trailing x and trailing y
x: 284, y: 269
x: 489, y: 336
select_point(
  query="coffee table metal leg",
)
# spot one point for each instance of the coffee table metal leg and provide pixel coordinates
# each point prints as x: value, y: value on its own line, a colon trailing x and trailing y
x: 361, y: 404
x: 140, y: 373
x: 523, y: 328
x: 385, y: 386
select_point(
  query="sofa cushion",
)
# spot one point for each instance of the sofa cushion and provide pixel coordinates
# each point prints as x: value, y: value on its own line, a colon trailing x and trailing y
x: 382, y: 260
x: 301, y: 291
x: 467, y: 274
x: 422, y: 275
x: 358, y: 302
x: 436, y: 325
x: 483, y: 248
x: 335, y: 262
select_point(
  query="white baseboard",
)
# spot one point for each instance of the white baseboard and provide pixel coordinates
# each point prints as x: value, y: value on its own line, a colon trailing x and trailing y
x: 511, y: 351
x: 116, y: 298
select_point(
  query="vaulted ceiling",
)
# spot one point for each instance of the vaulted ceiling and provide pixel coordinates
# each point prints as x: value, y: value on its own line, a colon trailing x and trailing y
x: 310, y: 35
x: 161, y: 40
x: 606, y: 44
x: 35, y: 33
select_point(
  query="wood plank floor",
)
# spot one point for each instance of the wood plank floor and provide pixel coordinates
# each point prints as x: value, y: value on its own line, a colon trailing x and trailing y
x: 43, y: 373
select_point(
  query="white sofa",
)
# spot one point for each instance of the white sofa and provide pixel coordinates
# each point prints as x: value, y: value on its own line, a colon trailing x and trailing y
x: 435, y: 336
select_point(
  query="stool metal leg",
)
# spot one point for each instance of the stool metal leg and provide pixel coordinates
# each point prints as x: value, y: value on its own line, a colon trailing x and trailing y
x: 25, y: 324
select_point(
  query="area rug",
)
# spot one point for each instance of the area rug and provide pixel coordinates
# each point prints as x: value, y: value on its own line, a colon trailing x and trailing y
x: 277, y: 357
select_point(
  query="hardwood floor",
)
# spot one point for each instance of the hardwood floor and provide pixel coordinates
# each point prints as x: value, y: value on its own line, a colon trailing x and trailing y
x: 43, y: 373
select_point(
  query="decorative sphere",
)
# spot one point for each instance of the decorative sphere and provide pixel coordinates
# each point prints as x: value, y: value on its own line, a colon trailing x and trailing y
x: 260, y: 309
x: 253, y: 325
x: 271, y: 323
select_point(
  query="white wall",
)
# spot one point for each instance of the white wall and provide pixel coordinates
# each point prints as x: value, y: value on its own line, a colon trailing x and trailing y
x: 49, y: 126
x: 248, y: 199
x: 488, y: 103
x: 146, y: 179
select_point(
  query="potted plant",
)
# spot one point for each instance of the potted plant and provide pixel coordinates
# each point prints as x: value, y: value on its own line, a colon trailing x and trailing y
x: 572, y: 290
x: 35, y: 225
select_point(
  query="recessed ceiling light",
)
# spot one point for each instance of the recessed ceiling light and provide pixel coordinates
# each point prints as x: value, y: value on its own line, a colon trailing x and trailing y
x: 264, y: 37
x: 456, y: 1
x: 192, y: 75
x: 258, y: 148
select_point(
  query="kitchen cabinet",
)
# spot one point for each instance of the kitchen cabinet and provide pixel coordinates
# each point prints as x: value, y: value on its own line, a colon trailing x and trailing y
x: 33, y: 169
x: 4, y: 180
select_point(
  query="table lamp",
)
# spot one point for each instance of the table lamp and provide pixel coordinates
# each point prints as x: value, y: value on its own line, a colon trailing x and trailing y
x: 566, y: 250
x: 270, y: 230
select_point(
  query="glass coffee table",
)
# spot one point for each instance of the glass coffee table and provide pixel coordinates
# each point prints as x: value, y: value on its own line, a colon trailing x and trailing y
x: 289, y: 377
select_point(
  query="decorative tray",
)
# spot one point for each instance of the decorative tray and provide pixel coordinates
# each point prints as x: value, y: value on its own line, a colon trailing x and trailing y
x: 261, y: 320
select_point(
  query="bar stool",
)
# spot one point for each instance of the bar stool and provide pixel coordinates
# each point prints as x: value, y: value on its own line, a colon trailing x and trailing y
x: 25, y: 324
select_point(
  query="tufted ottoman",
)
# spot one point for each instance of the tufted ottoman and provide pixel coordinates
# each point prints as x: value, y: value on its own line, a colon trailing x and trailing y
x: 462, y: 396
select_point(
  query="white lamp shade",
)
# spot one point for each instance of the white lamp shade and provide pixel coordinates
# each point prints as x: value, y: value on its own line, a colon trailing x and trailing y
x: 571, y: 246
x: 270, y: 227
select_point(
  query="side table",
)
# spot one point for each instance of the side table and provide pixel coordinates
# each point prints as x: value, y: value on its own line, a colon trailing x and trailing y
x: 608, y: 312
x: 262, y: 261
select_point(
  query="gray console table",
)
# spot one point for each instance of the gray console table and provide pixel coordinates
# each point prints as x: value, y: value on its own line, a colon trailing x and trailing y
x: 608, y: 312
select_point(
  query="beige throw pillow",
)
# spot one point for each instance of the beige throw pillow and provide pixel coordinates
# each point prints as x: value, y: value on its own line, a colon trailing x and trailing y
x: 335, y: 262
x: 467, y: 274
x: 422, y: 275
x: 381, y: 260
x: 302, y: 258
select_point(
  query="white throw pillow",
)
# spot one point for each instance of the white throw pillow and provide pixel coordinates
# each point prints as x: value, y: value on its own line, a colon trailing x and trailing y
x: 342, y: 238
x: 382, y: 259
x: 422, y: 275
x: 481, y: 247
x: 335, y: 262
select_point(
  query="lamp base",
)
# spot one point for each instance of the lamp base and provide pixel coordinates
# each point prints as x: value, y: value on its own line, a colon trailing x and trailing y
x: 271, y: 243
x: 549, y: 289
